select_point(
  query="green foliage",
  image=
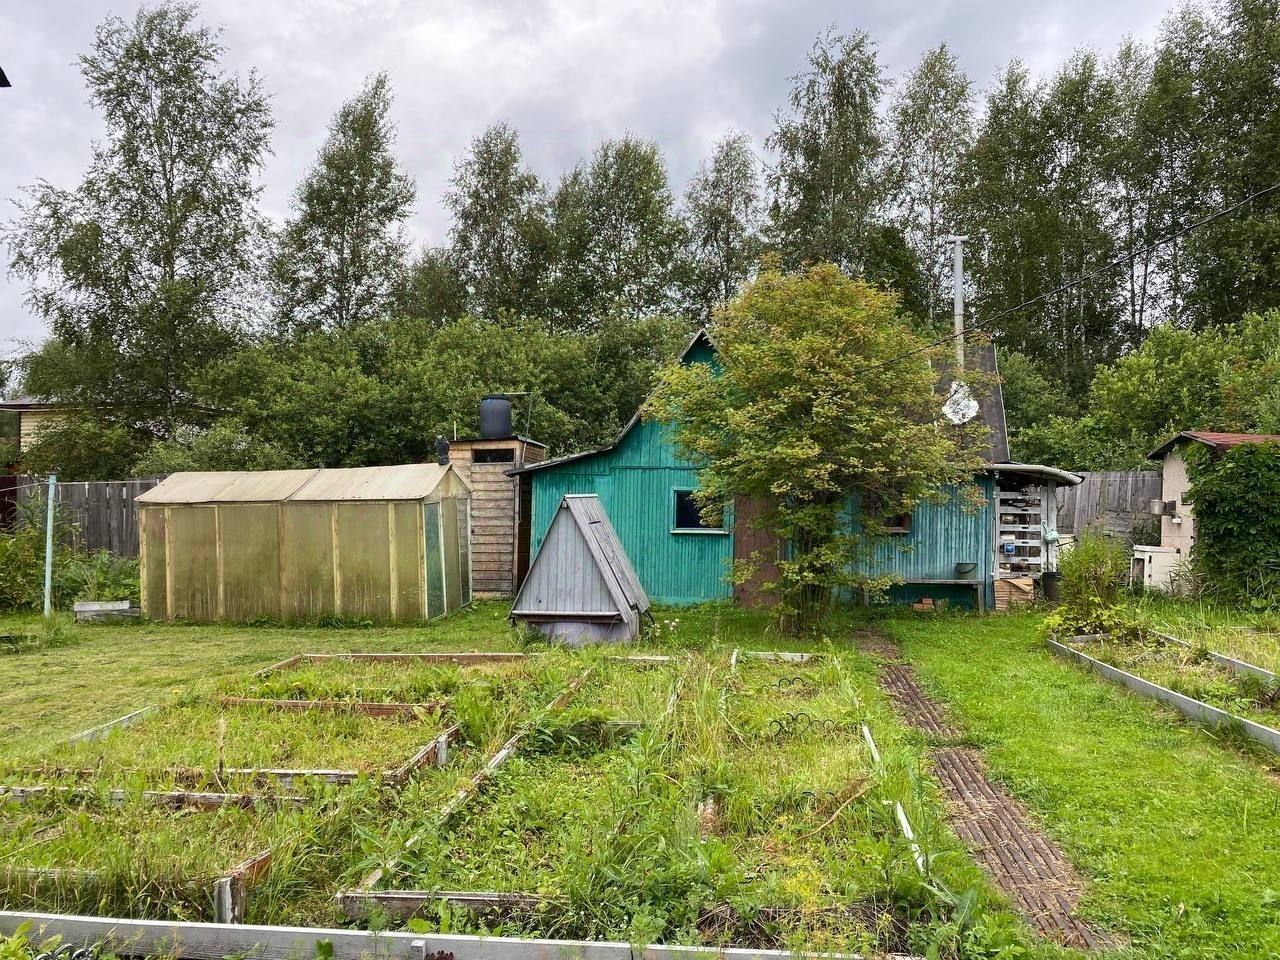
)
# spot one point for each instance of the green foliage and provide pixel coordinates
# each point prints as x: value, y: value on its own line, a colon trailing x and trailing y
x: 932, y: 126
x: 76, y: 576
x: 826, y: 183
x: 381, y: 392
x: 1220, y: 378
x: 499, y: 243
x: 141, y: 270
x: 84, y: 445
x: 341, y: 258
x: 618, y: 238
x: 1237, y: 515
x: 798, y: 414
x: 723, y: 206
x: 1030, y: 397
x: 1094, y: 570
x: 224, y: 446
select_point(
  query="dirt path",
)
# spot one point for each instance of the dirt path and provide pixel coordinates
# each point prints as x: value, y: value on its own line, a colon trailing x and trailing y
x: 1020, y: 860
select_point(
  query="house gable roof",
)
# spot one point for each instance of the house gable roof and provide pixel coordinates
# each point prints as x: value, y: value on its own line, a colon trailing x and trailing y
x: 700, y: 339
x: 1217, y: 442
x: 990, y: 409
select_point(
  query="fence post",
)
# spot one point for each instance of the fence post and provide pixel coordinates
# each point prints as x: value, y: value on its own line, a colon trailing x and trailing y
x: 48, y: 547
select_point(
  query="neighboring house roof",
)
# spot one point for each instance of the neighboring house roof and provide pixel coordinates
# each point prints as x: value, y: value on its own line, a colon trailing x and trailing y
x: 24, y: 404
x: 699, y: 338
x: 1218, y: 442
x: 579, y: 527
x: 413, y: 481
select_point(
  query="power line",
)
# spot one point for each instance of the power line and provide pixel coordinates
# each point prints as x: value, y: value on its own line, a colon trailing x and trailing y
x: 986, y: 324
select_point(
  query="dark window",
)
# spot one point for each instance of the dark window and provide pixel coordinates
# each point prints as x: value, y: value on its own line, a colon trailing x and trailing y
x: 687, y: 515
x: 894, y: 522
x: 500, y: 455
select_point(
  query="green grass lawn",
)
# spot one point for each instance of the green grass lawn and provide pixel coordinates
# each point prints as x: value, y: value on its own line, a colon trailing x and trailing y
x: 1179, y: 834
x: 101, y: 672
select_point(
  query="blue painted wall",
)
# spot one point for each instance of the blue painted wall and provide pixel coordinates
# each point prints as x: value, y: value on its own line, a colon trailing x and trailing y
x: 942, y: 535
x: 635, y: 481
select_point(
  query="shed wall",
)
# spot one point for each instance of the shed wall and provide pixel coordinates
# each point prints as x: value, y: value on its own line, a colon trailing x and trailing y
x: 250, y: 582
x: 296, y: 560
x: 361, y: 536
x: 151, y: 562
x: 495, y: 510
x: 307, y: 562
x: 635, y: 481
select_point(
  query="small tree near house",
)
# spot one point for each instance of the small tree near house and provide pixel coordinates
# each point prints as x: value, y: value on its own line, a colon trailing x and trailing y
x: 803, y: 412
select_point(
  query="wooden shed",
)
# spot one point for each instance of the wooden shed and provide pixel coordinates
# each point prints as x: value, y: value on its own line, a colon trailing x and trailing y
x: 581, y: 587
x: 499, y: 513
x: 370, y: 543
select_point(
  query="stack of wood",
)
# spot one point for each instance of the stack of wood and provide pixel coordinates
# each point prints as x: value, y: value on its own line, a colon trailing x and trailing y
x: 1014, y: 592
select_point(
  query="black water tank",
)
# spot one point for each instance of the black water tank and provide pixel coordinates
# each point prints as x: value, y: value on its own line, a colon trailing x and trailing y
x: 495, y: 417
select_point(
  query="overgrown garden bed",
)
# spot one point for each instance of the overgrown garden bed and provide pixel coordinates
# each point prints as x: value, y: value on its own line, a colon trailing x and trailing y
x: 744, y: 810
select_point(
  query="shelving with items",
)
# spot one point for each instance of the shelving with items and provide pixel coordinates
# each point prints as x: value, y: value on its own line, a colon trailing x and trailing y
x: 1020, y: 533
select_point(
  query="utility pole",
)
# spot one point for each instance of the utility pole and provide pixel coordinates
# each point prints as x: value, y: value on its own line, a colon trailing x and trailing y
x: 957, y: 280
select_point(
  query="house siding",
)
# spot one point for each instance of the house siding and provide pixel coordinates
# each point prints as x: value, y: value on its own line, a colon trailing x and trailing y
x: 634, y: 482
x: 942, y: 535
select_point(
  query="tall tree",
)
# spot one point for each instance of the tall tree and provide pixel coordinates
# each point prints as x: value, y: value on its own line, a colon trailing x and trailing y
x: 499, y: 234
x: 617, y: 237
x: 723, y: 213
x: 141, y: 270
x: 1235, y: 262
x: 342, y: 255
x: 432, y: 290
x: 931, y: 129
x: 827, y: 185
x: 1041, y: 194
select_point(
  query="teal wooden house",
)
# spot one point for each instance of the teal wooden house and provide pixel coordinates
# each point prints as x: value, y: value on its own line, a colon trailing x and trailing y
x: 941, y: 550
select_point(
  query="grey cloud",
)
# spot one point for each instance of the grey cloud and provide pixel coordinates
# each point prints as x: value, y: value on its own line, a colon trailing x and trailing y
x: 566, y: 74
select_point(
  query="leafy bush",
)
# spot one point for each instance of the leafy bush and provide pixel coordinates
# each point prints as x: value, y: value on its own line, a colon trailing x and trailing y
x: 1121, y: 623
x: 1094, y: 571
x: 76, y: 576
x: 1237, y: 510
x: 101, y: 575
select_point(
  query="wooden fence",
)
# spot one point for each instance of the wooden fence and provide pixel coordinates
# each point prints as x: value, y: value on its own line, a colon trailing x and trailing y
x: 98, y: 515
x: 1117, y: 499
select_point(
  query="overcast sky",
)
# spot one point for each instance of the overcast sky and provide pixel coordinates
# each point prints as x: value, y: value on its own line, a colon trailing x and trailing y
x: 566, y: 73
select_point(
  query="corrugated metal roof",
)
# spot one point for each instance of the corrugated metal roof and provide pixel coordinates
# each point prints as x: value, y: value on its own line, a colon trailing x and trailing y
x: 226, y: 486
x: 405, y: 482
x: 1218, y: 441
x: 409, y: 481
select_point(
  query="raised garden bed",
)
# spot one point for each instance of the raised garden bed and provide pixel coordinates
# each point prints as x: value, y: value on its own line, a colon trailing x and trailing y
x: 205, y: 744
x: 745, y: 812
x: 1220, y: 695
x: 130, y: 855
